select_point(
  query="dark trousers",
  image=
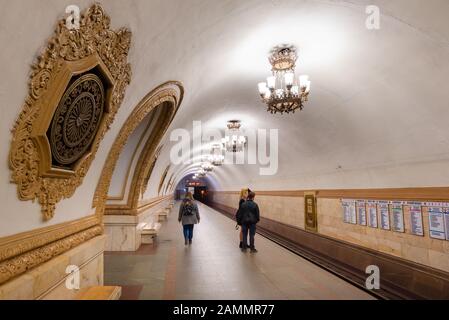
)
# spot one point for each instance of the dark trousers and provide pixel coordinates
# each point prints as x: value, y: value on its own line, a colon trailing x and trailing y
x: 251, y: 228
x: 188, y: 231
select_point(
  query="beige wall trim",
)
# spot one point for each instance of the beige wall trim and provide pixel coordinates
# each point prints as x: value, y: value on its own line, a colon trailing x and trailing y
x: 20, y: 264
x: 425, y: 193
x: 127, y: 210
x: 64, y: 279
x: 17, y: 244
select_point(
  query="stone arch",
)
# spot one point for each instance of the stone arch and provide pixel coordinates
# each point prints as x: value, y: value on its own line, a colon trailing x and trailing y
x: 168, y: 95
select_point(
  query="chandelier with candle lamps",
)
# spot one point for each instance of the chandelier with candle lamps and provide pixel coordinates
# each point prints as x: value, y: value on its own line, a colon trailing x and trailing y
x: 234, y: 141
x: 207, y: 166
x: 284, y: 91
x: 216, y: 157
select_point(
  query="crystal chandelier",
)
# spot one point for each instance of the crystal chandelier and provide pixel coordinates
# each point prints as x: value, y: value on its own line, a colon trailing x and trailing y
x: 234, y: 141
x: 207, y: 166
x: 201, y: 173
x: 283, y: 92
x: 216, y: 156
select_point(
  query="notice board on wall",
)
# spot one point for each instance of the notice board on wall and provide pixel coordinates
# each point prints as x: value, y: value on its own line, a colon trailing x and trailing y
x: 371, y: 208
x: 416, y: 220
x: 397, y: 213
x: 361, y: 212
x: 349, y: 212
x: 384, y: 212
x: 437, y: 226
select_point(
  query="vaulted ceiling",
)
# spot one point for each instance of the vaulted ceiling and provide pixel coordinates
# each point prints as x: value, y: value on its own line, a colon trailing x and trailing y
x: 379, y: 101
x: 378, y: 108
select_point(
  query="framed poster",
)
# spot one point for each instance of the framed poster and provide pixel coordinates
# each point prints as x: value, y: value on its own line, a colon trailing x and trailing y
x: 416, y: 222
x: 397, y: 213
x: 384, y: 212
x: 446, y: 220
x: 349, y: 212
x: 310, y: 215
x: 436, y: 223
x: 371, y: 207
x: 361, y: 212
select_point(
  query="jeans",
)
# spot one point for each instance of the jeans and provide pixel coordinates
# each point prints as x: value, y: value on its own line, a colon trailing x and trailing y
x: 252, y: 232
x: 188, y: 231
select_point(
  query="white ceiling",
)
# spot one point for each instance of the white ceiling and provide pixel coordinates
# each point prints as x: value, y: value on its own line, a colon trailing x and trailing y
x: 379, y: 101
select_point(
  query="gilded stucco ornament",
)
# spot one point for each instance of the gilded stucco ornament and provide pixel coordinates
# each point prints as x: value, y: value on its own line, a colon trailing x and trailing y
x: 169, y: 95
x: 94, y: 52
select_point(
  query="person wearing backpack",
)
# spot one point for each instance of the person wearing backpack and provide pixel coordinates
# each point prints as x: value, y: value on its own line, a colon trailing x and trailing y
x: 189, y: 215
x: 248, y: 216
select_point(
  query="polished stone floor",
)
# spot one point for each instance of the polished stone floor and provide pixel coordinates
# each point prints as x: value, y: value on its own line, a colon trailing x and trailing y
x: 213, y: 267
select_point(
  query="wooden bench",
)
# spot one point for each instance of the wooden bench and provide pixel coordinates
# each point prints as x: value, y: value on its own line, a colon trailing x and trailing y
x: 100, y: 293
x: 149, y: 232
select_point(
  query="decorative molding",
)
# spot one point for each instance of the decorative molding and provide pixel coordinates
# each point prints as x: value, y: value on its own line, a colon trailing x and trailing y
x: 169, y: 183
x: 126, y: 210
x: 410, y: 194
x: 150, y: 170
x: 68, y: 53
x: 163, y: 177
x: 426, y: 193
x: 147, y: 157
x: 17, y: 244
x: 125, y: 183
x: 171, y: 92
x: 20, y: 264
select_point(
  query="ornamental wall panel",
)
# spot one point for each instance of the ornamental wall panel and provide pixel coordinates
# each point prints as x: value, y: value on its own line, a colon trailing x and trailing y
x: 76, y: 87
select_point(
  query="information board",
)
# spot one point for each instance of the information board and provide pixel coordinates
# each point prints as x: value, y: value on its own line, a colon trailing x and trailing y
x: 349, y: 212
x: 446, y: 221
x: 397, y: 213
x: 416, y: 222
x: 361, y: 212
x: 372, y: 213
x: 384, y: 212
x: 436, y: 223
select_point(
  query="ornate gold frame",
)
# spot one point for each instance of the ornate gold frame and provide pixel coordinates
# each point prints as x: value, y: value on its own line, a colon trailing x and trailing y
x: 310, y: 211
x: 68, y: 53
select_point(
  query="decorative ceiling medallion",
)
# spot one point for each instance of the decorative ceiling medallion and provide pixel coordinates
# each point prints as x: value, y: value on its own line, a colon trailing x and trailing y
x: 77, y: 85
x: 76, y: 120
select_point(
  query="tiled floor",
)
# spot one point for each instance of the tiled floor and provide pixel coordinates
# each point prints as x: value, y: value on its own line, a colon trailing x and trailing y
x: 213, y: 267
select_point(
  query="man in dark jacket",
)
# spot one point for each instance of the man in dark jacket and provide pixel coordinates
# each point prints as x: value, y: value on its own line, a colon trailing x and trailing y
x: 248, y: 216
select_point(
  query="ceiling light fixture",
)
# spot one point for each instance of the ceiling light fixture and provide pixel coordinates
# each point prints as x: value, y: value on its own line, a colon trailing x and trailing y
x: 207, y: 166
x: 216, y: 157
x: 201, y: 173
x: 234, y: 141
x: 283, y: 91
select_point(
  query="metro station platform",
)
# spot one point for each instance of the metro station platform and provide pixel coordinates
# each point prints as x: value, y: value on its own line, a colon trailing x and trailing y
x: 214, y: 268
